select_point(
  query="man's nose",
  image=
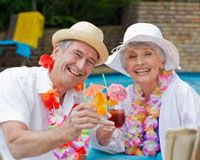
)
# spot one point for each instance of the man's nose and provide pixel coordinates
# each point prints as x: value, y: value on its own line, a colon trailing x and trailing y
x: 81, y: 63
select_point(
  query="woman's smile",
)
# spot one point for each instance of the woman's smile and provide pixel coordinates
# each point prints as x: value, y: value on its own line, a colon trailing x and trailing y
x: 143, y: 71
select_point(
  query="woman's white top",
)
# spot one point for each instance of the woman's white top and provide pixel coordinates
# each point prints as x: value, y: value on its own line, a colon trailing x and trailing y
x: 180, y: 108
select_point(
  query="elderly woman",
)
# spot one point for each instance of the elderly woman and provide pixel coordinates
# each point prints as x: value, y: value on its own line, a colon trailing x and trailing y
x: 157, y: 101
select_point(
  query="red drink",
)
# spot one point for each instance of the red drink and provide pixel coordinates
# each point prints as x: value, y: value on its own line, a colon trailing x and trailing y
x: 118, y: 117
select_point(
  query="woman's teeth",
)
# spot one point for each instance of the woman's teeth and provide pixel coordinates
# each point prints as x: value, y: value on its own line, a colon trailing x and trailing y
x: 139, y: 71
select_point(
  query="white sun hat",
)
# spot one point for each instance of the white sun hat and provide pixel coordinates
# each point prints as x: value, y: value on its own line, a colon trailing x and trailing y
x: 144, y: 32
x: 87, y: 33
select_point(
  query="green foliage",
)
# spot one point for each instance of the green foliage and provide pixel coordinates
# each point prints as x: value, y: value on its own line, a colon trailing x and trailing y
x: 67, y: 12
x: 64, y: 13
x: 9, y: 7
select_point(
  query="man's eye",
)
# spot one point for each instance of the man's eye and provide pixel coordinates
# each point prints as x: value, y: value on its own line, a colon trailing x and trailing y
x: 77, y: 54
x: 91, y: 63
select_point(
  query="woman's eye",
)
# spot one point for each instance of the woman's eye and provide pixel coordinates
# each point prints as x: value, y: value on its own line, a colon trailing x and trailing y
x: 148, y: 53
x: 132, y: 56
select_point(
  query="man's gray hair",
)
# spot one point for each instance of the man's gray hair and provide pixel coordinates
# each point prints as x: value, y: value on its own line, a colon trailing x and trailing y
x: 64, y: 44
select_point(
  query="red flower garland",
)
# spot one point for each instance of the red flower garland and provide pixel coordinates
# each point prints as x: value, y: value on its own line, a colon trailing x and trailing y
x: 79, y: 87
x: 46, y: 61
x: 50, y: 99
x: 51, y: 102
x: 81, y: 150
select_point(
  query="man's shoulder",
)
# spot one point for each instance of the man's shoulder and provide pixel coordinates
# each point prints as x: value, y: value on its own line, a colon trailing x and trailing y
x: 24, y: 77
x: 17, y: 72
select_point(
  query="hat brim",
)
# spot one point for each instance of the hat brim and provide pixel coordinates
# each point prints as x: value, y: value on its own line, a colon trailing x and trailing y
x: 70, y: 34
x: 116, y: 60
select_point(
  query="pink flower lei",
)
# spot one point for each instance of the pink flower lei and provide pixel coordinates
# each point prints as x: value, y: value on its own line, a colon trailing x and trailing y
x: 70, y: 150
x: 142, y: 123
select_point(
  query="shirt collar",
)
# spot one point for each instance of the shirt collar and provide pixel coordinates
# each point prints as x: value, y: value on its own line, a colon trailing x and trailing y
x: 43, y: 81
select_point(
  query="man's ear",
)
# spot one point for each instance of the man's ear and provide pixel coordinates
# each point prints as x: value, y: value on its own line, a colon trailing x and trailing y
x: 55, y: 51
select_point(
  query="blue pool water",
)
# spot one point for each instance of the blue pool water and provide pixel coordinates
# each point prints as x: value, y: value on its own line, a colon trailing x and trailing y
x: 191, y: 78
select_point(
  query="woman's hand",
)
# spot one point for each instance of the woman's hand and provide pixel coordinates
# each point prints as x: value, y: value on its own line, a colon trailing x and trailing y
x: 105, y: 131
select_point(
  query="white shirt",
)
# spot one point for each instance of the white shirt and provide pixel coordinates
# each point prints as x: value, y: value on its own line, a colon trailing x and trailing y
x: 180, y: 108
x: 20, y: 101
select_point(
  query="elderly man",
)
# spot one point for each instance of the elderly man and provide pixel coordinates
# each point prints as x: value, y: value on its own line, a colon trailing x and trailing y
x: 34, y: 99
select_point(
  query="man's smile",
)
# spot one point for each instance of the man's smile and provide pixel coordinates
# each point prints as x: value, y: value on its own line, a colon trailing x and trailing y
x: 74, y: 72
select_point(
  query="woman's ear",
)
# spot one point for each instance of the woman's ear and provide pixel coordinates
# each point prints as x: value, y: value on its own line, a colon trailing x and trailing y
x: 162, y: 67
x: 163, y: 64
x: 126, y: 69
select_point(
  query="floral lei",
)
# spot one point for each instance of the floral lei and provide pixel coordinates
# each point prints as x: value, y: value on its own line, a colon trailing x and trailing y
x: 142, y: 123
x: 72, y: 150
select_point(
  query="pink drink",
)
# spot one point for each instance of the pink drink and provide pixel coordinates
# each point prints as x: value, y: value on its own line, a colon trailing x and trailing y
x: 118, y: 116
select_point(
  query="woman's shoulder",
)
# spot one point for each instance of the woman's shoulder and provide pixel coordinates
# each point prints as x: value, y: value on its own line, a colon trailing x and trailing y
x: 180, y: 87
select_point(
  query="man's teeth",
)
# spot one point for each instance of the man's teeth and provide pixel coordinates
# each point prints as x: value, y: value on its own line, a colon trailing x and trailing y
x: 73, y: 72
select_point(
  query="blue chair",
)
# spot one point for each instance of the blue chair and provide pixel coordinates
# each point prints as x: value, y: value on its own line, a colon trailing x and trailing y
x: 25, y: 29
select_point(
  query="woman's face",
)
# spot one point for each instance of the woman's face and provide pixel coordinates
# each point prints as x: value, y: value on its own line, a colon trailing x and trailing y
x: 143, y: 64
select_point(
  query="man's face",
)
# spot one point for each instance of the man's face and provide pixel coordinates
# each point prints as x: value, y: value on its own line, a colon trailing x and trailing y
x: 72, y: 64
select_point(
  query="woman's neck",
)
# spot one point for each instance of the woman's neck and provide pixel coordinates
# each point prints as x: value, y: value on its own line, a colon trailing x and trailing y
x: 149, y: 88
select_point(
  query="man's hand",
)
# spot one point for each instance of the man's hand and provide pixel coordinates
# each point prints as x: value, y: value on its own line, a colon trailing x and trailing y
x: 105, y: 131
x: 84, y: 116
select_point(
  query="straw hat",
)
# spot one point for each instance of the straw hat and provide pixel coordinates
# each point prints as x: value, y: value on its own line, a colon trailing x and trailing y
x: 87, y: 33
x: 144, y: 32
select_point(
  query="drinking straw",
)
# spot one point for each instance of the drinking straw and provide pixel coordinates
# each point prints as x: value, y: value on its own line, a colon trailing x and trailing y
x: 105, y: 82
x: 106, y: 85
x: 84, y: 97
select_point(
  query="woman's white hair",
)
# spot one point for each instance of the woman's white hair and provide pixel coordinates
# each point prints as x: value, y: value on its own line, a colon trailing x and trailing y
x: 150, y: 45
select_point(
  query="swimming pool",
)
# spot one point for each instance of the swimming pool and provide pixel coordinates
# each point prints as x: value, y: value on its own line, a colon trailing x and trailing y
x: 192, y: 78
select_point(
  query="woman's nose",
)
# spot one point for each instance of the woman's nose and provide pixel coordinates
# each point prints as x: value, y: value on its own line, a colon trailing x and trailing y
x: 140, y: 60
